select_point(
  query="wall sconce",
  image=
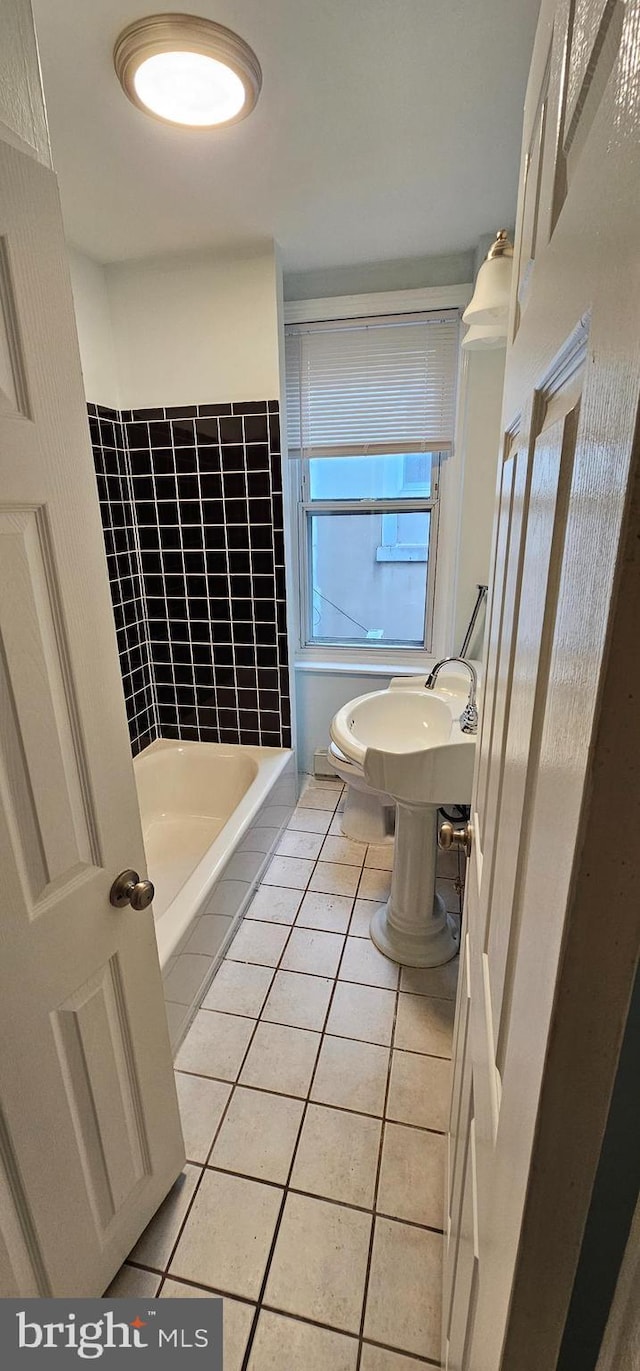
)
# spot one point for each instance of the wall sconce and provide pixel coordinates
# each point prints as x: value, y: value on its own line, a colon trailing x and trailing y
x: 488, y: 310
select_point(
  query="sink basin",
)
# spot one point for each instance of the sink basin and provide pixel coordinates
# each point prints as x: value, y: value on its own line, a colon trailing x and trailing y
x: 396, y: 721
x: 410, y: 744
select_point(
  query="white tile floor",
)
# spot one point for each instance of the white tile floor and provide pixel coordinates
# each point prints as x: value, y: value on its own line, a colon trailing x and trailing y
x: 313, y: 1089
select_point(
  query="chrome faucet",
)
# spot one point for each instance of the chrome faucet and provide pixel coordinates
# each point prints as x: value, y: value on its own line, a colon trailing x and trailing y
x: 469, y: 716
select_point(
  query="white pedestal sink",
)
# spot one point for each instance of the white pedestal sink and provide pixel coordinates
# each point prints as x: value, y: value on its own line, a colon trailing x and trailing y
x: 410, y: 744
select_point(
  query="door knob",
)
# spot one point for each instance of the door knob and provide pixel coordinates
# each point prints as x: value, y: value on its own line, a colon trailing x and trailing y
x: 129, y: 889
x: 460, y: 838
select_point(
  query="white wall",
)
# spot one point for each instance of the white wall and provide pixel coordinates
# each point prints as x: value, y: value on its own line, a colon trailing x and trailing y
x: 95, y: 329
x: 193, y: 329
x: 398, y: 274
x: 479, y: 441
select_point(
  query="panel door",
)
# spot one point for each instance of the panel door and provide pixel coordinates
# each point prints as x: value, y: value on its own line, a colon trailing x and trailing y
x: 532, y: 943
x: 90, y: 1139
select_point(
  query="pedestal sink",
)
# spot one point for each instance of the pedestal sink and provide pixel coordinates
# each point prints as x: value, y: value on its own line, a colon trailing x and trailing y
x: 410, y: 744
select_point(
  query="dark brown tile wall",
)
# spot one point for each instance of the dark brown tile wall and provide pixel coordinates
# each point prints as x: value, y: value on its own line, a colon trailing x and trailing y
x: 206, y: 499
x: 116, y: 494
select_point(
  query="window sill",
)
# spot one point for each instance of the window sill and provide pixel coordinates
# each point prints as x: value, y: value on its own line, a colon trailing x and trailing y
x: 415, y: 667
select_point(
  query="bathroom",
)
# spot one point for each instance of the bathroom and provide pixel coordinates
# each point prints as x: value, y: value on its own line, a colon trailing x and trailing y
x: 284, y: 532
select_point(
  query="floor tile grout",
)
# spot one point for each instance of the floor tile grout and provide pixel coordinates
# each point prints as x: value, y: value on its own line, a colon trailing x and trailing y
x: 272, y: 1249
x: 342, y: 1109
x: 219, y: 1127
x: 365, y: 1297
x: 259, y: 1302
x: 252, y: 1330
x: 315, y: 1194
x: 322, y: 1032
x: 284, y: 1313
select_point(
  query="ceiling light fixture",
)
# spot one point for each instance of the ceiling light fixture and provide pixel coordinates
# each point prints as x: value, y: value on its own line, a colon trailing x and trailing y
x: 186, y: 70
x: 488, y: 311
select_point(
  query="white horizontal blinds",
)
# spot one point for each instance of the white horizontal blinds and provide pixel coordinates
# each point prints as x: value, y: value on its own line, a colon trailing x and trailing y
x: 375, y: 385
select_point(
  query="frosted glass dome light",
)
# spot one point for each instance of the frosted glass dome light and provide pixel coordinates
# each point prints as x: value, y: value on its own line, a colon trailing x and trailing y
x: 484, y: 337
x: 189, y: 88
x: 490, y: 301
x: 187, y: 71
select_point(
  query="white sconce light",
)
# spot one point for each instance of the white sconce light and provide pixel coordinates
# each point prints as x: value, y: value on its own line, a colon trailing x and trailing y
x: 485, y: 336
x: 488, y: 310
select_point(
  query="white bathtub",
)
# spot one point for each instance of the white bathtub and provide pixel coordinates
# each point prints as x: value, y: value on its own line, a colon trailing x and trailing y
x: 211, y: 816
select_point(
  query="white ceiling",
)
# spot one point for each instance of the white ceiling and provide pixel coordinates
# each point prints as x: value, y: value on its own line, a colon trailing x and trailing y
x: 385, y: 129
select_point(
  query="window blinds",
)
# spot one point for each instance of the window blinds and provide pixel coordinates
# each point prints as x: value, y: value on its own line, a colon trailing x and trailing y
x: 375, y: 385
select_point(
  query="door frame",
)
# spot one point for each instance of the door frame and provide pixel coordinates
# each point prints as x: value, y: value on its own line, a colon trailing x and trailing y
x: 621, y: 1341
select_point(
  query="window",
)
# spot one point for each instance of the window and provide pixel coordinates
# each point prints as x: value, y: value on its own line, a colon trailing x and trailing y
x: 370, y: 418
x: 366, y: 544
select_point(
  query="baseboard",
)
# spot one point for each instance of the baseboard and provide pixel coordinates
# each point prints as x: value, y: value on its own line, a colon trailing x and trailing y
x: 321, y: 763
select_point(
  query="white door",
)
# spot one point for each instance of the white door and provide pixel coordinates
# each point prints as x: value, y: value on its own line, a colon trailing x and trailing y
x: 552, y: 916
x: 90, y: 1139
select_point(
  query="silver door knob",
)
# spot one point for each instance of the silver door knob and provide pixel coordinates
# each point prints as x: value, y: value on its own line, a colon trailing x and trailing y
x: 129, y: 889
x: 456, y: 838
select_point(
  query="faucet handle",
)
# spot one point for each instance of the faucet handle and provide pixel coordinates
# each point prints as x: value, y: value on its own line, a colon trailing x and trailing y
x: 469, y: 718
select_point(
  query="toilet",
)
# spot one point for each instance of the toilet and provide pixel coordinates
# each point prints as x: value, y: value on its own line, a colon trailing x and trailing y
x: 369, y: 815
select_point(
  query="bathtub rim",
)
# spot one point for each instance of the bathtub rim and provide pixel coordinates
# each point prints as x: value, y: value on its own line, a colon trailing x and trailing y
x: 173, y: 925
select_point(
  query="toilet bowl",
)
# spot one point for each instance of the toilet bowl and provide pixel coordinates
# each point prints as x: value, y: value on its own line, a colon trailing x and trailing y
x: 368, y: 815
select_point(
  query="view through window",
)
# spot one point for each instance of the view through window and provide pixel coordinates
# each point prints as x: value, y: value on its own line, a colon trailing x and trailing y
x: 369, y: 530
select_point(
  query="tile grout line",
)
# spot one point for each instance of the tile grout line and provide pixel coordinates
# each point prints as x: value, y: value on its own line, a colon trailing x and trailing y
x: 214, y: 686
x: 383, y: 1121
x: 278, y: 1224
x: 340, y: 1108
x: 283, y: 1313
x: 315, y: 1194
x: 259, y: 1304
x: 234, y: 1085
x: 244, y: 475
x: 141, y: 577
x: 365, y: 1297
x: 307, y: 1099
x: 204, y: 1165
x: 305, y: 1028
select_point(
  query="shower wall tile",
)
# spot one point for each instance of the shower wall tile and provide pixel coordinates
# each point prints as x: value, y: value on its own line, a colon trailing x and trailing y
x: 202, y: 510
x: 208, y: 497
x: 119, y: 523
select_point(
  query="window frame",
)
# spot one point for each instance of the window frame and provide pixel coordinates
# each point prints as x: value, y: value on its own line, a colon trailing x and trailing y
x: 307, y: 507
x: 383, y: 660
x: 389, y: 530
